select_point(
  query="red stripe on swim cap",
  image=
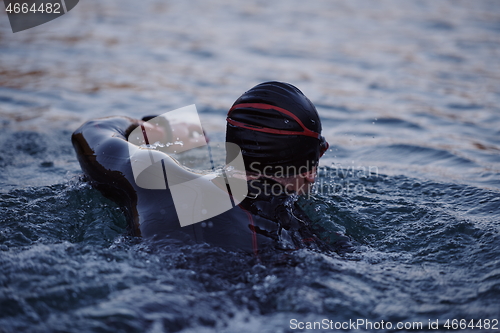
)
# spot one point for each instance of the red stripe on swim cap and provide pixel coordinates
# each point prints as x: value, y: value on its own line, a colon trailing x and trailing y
x: 262, y: 106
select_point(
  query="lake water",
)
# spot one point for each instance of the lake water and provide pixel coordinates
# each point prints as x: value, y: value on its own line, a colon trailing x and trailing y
x: 409, y: 95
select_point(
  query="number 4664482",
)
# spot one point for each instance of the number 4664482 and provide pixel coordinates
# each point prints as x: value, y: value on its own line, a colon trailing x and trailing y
x: 25, y: 8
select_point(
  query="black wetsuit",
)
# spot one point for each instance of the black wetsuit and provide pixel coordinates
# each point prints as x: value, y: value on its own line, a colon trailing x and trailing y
x: 261, y: 221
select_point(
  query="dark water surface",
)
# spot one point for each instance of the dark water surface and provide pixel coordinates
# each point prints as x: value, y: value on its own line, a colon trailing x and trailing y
x: 409, y: 94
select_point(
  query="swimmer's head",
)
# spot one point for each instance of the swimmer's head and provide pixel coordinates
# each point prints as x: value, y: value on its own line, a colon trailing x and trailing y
x: 277, y: 129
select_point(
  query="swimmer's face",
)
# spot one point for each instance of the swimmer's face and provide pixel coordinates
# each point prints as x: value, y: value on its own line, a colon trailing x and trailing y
x: 300, y: 184
x: 308, y: 180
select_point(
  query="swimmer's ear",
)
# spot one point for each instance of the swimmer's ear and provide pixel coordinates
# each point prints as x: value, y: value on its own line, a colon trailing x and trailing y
x: 146, y: 118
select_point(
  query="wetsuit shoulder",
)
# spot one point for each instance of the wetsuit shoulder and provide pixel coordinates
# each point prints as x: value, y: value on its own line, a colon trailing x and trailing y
x: 102, y: 150
x: 100, y: 136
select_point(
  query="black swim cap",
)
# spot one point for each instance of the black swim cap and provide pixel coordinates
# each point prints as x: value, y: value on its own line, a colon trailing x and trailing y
x: 277, y: 128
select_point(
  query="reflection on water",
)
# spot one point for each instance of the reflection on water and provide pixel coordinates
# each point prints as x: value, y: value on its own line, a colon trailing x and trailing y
x: 410, y: 90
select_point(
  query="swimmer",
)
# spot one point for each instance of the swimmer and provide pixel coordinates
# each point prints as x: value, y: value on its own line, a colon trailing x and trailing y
x: 279, y: 132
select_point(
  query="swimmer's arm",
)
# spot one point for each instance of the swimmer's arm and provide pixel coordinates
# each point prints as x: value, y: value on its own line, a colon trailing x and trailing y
x: 101, y: 145
x: 96, y: 135
x: 96, y: 131
x: 172, y: 135
x: 105, y: 139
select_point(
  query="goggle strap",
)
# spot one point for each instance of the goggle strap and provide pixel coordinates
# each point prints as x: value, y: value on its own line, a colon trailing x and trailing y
x: 261, y: 106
